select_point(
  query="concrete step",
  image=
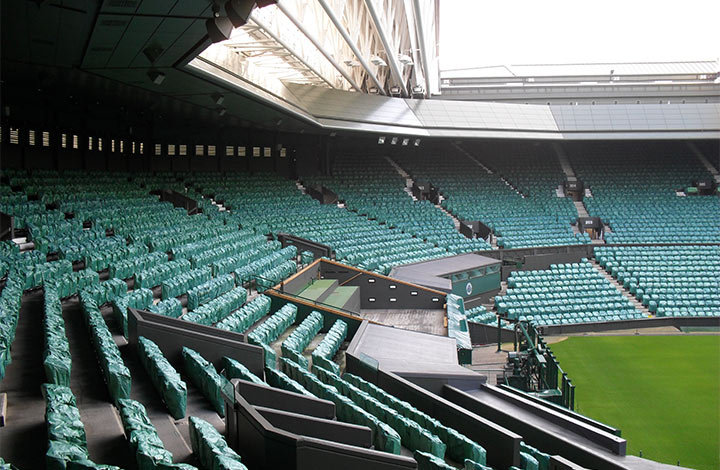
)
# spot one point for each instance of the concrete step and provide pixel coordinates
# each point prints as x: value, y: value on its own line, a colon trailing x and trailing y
x: 622, y: 289
x: 456, y: 221
x: 581, y: 209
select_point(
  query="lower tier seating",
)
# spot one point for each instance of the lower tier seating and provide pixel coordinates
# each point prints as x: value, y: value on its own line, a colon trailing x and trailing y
x: 563, y: 294
x: 674, y: 281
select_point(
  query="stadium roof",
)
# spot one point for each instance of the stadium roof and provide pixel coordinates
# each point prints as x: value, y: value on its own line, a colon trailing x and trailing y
x: 709, y: 68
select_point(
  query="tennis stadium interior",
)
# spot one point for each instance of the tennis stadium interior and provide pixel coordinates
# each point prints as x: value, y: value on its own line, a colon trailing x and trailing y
x: 276, y: 235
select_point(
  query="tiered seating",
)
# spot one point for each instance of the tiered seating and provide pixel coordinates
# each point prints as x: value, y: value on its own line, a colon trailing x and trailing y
x: 371, y: 187
x: 277, y: 379
x: 10, y: 300
x: 413, y: 436
x: 126, y: 268
x: 211, y: 448
x: 322, y: 355
x: 266, y: 265
x: 144, y: 440
x: 218, y: 308
x: 636, y: 196
x: 232, y: 369
x: 269, y: 204
x: 170, y: 308
x: 182, y: 283
x: 385, y: 438
x: 209, y: 290
x: 116, y: 375
x: 65, y: 429
x: 459, y: 447
x: 565, y: 293
x: 139, y: 298
x: 300, y: 338
x: 105, y: 292
x: 155, y: 275
x: 246, y: 316
x: 164, y: 377
x: 270, y: 330
x: 56, y: 359
x: 206, y: 378
x: 482, y: 315
x: 533, y: 217
x: 676, y: 281
x: 71, y: 284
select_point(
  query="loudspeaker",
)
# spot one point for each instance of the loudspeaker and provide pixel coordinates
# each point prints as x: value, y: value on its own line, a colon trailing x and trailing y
x: 238, y: 11
x: 219, y: 29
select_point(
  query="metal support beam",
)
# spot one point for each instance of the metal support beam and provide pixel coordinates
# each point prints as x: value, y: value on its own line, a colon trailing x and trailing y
x: 318, y: 45
x: 423, y: 50
x: 277, y: 39
x: 389, y: 51
x: 346, y: 36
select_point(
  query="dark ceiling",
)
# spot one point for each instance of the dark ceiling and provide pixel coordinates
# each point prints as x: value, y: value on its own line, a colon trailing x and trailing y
x: 95, y: 57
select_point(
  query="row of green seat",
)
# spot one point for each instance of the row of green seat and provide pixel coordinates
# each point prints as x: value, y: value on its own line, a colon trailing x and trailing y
x: 65, y: 430
x: 412, y: 435
x: 459, y: 447
x: 150, y: 452
x: 116, y: 375
x: 564, y: 294
x: 57, y: 361
x: 300, y: 338
x: 233, y: 369
x: 675, y: 281
x: 10, y: 300
x: 72, y: 283
x: 183, y: 282
x: 140, y: 298
x: 481, y: 315
x: 155, y: 275
x: 324, y: 353
x: 105, y: 291
x: 101, y: 260
x: 271, y: 329
x: 127, y: 267
x: 265, y: 280
x: 209, y: 290
x: 250, y: 271
x: 278, y: 379
x: 210, y: 447
x: 170, y: 308
x: 164, y: 377
x: 246, y: 238
x: 218, y: 308
x: 35, y: 275
x: 205, y: 377
x: 385, y: 438
x: 637, y: 196
x: 231, y: 263
x: 246, y: 316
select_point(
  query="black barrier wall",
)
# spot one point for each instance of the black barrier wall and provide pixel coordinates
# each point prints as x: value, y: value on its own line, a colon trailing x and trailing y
x: 262, y: 445
x: 171, y: 334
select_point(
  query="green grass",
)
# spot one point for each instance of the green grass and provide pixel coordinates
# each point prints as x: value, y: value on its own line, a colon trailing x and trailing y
x: 661, y: 391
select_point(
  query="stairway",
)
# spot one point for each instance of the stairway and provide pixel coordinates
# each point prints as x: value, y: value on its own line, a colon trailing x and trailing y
x: 472, y: 157
x: 620, y: 287
x: 564, y: 162
x: 706, y: 163
x: 581, y: 210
